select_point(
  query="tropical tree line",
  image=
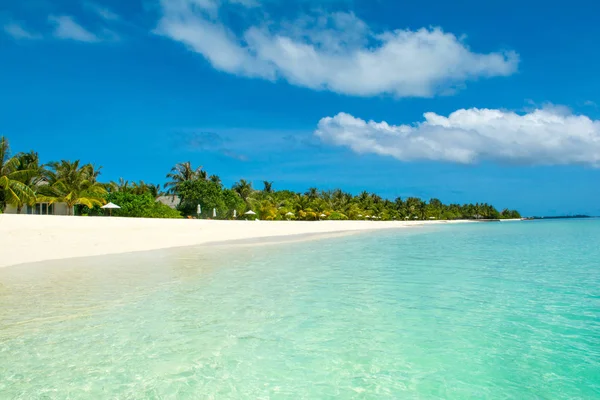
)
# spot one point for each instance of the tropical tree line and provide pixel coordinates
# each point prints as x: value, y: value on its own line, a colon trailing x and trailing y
x: 25, y: 181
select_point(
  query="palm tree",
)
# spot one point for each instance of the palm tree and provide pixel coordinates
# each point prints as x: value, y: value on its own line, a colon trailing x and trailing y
x: 244, y: 189
x: 12, y: 176
x: 70, y: 183
x: 180, y: 173
x: 268, y: 187
x: 312, y: 193
x: 154, y: 190
x: 32, y: 173
x: 215, y: 179
x: 121, y: 186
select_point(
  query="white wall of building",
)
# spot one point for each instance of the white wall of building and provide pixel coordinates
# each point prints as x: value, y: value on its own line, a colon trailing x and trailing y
x: 10, y: 209
x: 61, y: 209
x: 56, y: 209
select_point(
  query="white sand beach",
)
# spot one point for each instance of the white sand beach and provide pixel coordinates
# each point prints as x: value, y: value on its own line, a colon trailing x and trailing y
x: 33, y: 238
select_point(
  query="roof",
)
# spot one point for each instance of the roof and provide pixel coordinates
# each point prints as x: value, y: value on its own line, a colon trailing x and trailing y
x: 171, y: 201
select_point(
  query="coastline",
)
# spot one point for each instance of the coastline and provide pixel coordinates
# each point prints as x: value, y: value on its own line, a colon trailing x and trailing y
x: 27, y: 239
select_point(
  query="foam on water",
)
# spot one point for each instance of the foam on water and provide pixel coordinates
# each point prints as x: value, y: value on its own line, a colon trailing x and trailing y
x: 508, y: 310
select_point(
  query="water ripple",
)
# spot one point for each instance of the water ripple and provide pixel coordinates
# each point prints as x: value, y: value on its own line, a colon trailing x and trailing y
x: 503, y: 311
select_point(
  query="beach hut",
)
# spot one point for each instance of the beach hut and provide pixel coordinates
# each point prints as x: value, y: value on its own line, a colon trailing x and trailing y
x: 110, y: 207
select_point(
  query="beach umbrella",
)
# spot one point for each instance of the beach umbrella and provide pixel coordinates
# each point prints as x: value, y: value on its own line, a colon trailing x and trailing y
x: 110, y: 207
x: 214, y: 213
x: 289, y: 214
x: 250, y: 213
x: 359, y: 215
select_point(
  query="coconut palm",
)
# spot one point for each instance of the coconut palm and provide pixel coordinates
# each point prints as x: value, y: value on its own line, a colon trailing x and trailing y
x: 154, y: 190
x: 215, y: 179
x: 12, y: 177
x: 121, y: 186
x: 180, y: 173
x: 268, y: 187
x: 312, y: 193
x: 32, y: 173
x: 73, y: 184
x: 244, y: 189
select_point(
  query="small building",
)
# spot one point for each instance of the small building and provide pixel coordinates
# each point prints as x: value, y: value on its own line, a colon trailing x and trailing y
x: 171, y: 201
x: 40, y: 209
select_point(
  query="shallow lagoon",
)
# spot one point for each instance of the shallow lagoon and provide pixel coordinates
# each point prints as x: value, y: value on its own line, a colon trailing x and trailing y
x: 509, y: 310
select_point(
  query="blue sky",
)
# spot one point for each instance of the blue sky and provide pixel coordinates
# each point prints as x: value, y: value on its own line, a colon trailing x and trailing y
x: 466, y: 101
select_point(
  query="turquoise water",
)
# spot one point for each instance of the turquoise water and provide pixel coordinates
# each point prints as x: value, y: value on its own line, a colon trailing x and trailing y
x: 479, y: 311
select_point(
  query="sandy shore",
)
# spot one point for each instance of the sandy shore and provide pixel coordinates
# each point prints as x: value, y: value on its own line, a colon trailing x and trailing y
x: 32, y: 238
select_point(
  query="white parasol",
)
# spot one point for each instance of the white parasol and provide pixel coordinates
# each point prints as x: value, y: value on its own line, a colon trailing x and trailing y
x: 110, y: 207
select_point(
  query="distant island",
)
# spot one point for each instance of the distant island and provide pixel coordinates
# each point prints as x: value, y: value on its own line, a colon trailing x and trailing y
x: 563, y: 217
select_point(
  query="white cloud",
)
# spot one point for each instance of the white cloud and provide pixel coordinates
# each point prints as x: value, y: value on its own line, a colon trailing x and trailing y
x: 336, y: 52
x: 17, y: 31
x: 548, y: 136
x: 246, y: 3
x: 67, y: 28
x: 103, y: 12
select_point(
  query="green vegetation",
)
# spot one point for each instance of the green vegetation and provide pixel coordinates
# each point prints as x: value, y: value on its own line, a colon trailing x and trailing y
x: 72, y: 184
x: 25, y: 181
x: 13, y: 179
x: 194, y: 188
x: 142, y: 205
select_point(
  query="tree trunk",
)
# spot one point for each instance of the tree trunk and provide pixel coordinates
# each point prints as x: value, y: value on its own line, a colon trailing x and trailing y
x: 19, y: 208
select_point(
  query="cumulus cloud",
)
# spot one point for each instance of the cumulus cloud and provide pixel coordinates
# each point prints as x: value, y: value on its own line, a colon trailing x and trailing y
x: 67, y: 28
x: 547, y: 136
x: 17, y: 31
x: 336, y: 52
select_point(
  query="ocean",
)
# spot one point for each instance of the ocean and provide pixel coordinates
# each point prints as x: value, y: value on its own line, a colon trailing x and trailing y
x: 505, y: 310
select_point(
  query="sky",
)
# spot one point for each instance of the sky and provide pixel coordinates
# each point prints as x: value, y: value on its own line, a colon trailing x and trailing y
x: 465, y: 101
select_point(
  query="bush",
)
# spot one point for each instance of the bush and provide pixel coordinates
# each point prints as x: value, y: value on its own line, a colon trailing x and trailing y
x: 337, y: 216
x: 209, y: 195
x: 135, y: 206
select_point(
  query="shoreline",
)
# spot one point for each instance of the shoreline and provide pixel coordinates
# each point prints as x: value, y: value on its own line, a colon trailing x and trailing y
x: 26, y: 239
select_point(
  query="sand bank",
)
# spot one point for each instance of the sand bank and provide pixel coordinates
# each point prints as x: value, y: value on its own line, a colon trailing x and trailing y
x: 32, y: 238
